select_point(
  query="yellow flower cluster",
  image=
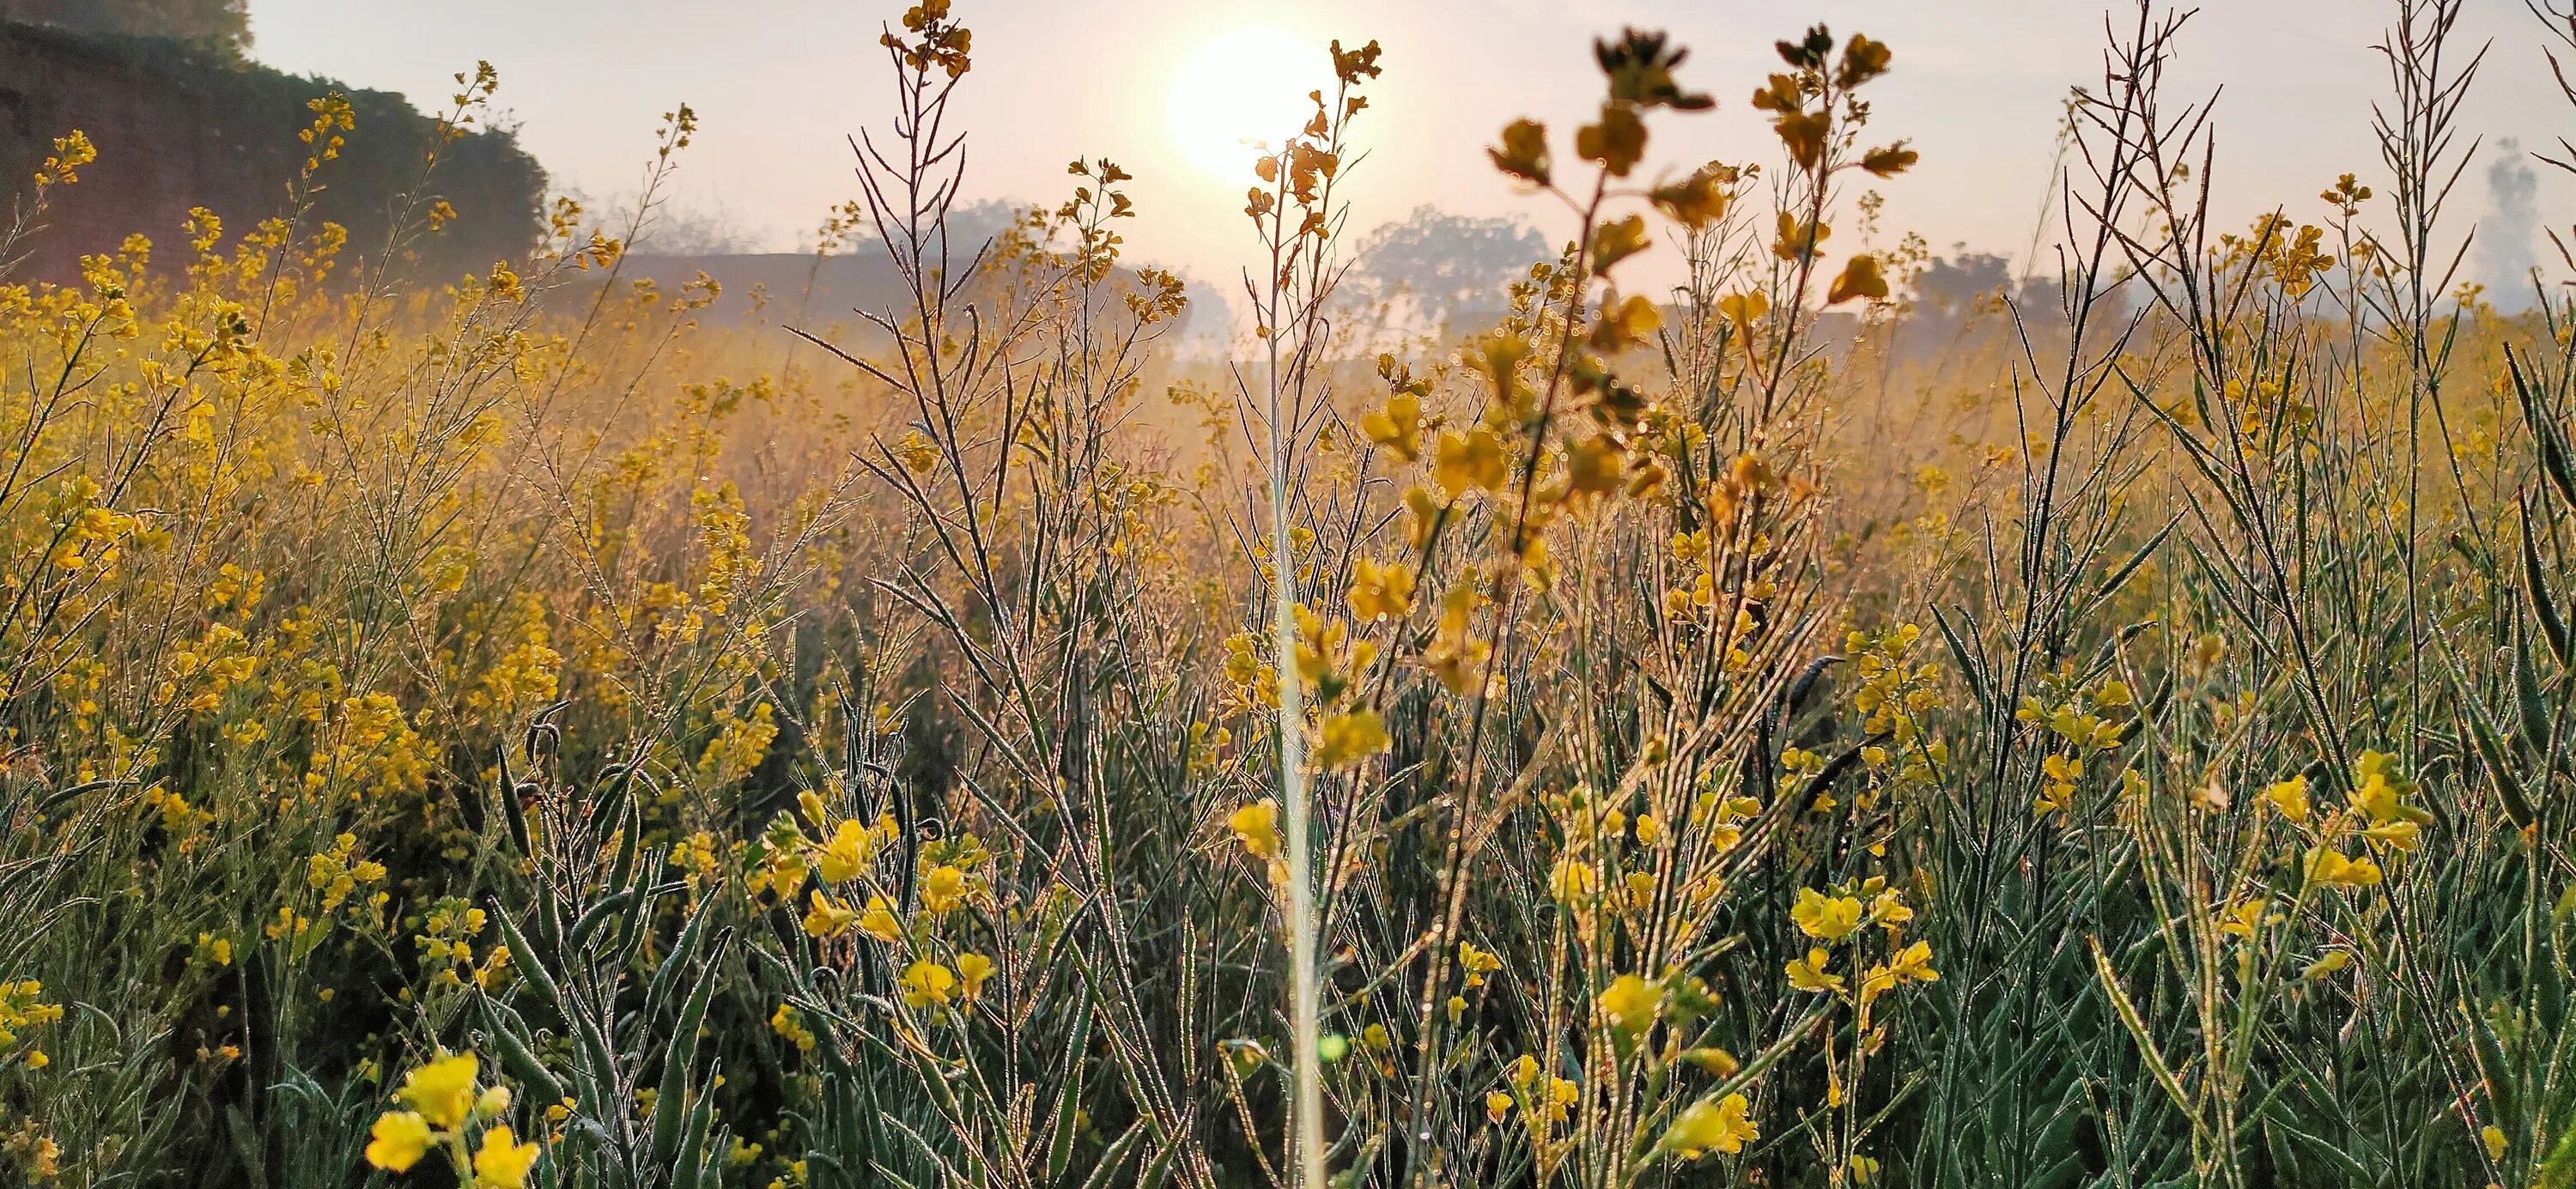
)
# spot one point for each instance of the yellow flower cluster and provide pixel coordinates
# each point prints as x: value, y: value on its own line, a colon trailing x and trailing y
x: 1724, y: 1125
x: 22, y: 1006
x: 446, y: 945
x: 1833, y: 918
x: 1256, y: 829
x: 2376, y: 812
x: 332, y: 874
x: 441, y: 1106
x: 789, y: 1024
x: 928, y: 984
x: 2085, y: 723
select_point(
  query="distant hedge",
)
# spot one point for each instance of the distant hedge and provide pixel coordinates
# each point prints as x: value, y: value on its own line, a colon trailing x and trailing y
x: 182, y: 125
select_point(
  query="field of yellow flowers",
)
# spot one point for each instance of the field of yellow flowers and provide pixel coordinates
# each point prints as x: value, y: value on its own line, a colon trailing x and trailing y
x: 503, y: 733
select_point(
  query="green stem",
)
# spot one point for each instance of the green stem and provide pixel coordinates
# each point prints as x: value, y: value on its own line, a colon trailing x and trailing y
x: 1304, y: 1010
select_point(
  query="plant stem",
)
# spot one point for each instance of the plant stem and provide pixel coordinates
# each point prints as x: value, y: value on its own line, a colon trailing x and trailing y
x: 1303, y: 999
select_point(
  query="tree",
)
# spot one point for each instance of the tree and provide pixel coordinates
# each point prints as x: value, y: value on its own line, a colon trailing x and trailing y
x: 1433, y: 265
x: 225, y: 23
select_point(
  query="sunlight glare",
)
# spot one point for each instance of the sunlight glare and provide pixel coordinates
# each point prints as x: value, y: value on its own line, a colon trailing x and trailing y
x: 1241, y: 90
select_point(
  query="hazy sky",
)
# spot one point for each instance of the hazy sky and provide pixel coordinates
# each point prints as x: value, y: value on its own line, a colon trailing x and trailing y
x: 1978, y: 86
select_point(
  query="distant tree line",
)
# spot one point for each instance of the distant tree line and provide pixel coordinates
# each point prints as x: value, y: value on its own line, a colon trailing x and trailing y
x: 221, y: 23
x: 185, y: 124
x: 1433, y: 268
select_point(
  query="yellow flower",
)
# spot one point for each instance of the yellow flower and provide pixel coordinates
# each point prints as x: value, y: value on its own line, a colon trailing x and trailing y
x: 1497, y: 1105
x: 2377, y: 791
x: 2290, y: 797
x: 2326, y: 963
x: 1617, y: 240
x: 73, y: 151
x: 1813, y: 973
x: 973, y: 969
x: 788, y: 1024
x: 927, y: 984
x: 44, y: 1158
x: 1572, y: 880
x: 1523, y: 153
x: 2243, y: 920
x: 1350, y: 738
x: 1721, y: 1126
x: 1398, y: 428
x: 398, y: 1140
x: 1714, y: 1061
x: 1632, y: 1003
x: 1744, y: 309
x: 1618, y: 142
x: 943, y: 889
x: 1641, y: 889
x: 502, y: 1163
x: 1825, y: 918
x: 1561, y: 1096
x: 1469, y: 461
x: 1698, y: 200
x: 828, y: 918
x: 1256, y: 826
x: 1860, y: 278
x: 1477, y: 963
x: 2331, y: 868
x: 1913, y: 964
x: 852, y: 846
x: 878, y: 921
x: 2404, y: 835
x: 1380, y: 592
x: 918, y: 453
x: 442, y: 1091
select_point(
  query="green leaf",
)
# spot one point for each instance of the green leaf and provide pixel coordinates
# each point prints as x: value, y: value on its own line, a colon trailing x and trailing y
x: 1068, y: 1097
x: 670, y: 1101
x: 510, y: 1035
x: 2553, y: 626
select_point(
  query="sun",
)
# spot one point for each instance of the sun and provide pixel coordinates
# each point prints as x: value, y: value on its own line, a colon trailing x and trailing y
x: 1241, y: 90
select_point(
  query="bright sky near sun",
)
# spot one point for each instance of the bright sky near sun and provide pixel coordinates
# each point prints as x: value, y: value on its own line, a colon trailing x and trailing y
x: 1167, y: 88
